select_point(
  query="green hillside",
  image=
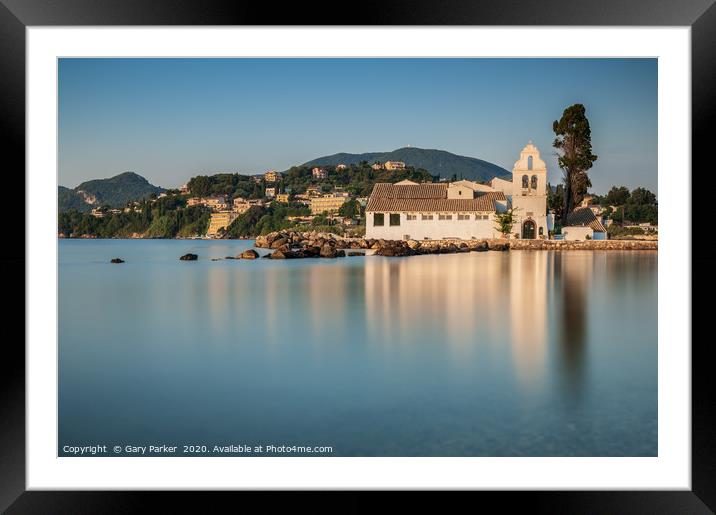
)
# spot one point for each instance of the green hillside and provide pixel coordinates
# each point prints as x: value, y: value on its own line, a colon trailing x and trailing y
x: 113, y: 192
x: 437, y: 162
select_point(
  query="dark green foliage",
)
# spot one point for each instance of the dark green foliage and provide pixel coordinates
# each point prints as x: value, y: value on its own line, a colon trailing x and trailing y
x: 437, y: 162
x: 231, y: 184
x: 167, y: 217
x: 505, y: 221
x: 70, y: 199
x: 113, y: 192
x: 263, y: 220
x: 639, y: 206
x: 616, y: 231
x: 350, y: 209
x: 245, y: 225
x: 555, y: 200
x: 617, y: 196
x: 637, y: 214
x: 190, y: 221
x: 574, y: 140
x: 642, y: 197
x: 356, y: 179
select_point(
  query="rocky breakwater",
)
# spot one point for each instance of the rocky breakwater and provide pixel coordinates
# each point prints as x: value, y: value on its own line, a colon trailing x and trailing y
x: 293, y: 244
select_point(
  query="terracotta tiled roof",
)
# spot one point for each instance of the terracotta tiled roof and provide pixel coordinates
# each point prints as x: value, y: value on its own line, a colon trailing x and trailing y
x: 429, y: 197
x: 412, y: 191
x: 585, y: 217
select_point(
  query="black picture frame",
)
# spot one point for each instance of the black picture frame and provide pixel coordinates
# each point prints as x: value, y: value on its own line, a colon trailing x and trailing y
x: 16, y: 15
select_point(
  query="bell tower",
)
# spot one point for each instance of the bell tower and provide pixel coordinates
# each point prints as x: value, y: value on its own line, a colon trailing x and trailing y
x: 529, y: 194
x: 529, y: 175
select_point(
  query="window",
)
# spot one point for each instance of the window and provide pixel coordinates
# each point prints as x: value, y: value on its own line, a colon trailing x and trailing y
x: 480, y: 217
x: 444, y: 217
x: 394, y: 218
x: 461, y: 216
x: 426, y: 217
x: 525, y: 182
x: 411, y: 217
x: 541, y: 231
x: 529, y: 162
x: 378, y: 219
x: 533, y: 185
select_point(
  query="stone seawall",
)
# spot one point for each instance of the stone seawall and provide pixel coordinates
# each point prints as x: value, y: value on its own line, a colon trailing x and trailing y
x: 584, y: 245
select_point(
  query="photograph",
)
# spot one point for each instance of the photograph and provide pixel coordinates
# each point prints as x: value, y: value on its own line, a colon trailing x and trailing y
x: 466, y: 256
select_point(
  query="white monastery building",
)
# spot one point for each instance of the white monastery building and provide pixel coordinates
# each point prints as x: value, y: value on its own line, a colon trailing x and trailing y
x: 463, y: 209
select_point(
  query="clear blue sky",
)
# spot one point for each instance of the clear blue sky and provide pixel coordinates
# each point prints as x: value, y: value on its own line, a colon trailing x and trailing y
x: 171, y: 119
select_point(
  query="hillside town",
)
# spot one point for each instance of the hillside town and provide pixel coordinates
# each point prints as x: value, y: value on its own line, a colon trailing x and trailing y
x: 419, y: 206
x: 516, y: 207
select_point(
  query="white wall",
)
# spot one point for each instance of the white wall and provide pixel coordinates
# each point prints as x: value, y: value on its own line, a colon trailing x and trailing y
x: 577, y: 233
x: 433, y: 229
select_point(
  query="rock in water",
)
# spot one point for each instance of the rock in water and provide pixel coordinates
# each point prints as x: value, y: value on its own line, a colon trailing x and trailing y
x: 283, y: 254
x: 498, y: 246
x: 278, y: 242
x: 328, y: 251
x: 248, y: 254
x: 189, y: 257
x: 117, y: 260
x: 312, y: 251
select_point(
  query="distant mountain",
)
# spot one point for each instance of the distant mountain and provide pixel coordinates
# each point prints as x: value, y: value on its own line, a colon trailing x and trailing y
x: 114, y: 192
x: 437, y: 162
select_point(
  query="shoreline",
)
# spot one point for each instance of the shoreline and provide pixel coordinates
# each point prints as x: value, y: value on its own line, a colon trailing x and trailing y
x: 410, y: 247
x: 293, y: 244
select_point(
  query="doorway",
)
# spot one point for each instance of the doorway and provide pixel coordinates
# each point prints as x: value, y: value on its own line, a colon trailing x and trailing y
x: 528, y: 230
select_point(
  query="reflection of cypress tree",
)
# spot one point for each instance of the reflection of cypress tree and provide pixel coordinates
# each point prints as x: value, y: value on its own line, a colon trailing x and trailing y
x: 574, y: 319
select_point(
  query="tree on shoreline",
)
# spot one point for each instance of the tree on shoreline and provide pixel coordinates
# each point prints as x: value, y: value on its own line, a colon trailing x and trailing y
x: 505, y: 221
x: 574, y: 140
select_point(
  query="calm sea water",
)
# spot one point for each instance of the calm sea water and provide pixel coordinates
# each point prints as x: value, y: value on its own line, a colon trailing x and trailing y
x: 482, y: 354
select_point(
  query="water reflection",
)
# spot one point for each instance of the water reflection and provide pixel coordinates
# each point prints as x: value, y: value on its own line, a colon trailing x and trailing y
x: 528, y: 312
x: 458, y: 299
x: 573, y: 278
x: 464, y: 302
x: 490, y: 354
x: 487, y: 299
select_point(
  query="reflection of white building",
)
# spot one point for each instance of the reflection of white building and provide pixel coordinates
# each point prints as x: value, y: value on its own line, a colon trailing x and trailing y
x: 463, y: 209
x: 528, y: 276
x: 472, y: 300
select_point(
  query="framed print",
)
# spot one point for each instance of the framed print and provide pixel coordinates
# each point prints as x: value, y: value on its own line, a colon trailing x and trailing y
x: 423, y: 252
